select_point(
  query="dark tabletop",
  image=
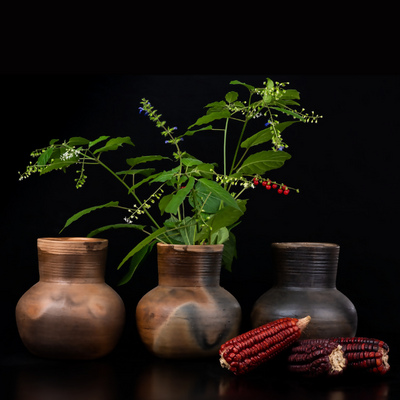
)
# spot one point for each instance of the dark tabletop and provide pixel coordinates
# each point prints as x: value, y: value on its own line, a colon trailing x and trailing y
x: 130, y: 372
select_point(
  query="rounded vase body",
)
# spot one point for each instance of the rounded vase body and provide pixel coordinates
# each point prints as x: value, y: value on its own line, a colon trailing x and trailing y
x: 305, y: 284
x: 188, y: 315
x: 71, y: 313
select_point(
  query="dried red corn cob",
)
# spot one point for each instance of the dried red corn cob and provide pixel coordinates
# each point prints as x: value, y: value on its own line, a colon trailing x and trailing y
x: 251, y: 349
x: 362, y: 353
x: 365, y: 353
x: 317, y: 357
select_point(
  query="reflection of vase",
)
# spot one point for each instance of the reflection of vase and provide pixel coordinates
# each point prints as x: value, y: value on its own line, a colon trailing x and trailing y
x: 305, y: 284
x: 162, y: 379
x: 71, y: 313
x: 188, y: 314
x: 61, y: 380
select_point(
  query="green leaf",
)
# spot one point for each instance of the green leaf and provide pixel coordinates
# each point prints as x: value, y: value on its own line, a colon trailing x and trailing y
x: 136, y: 260
x: 218, y: 191
x: 189, y: 162
x: 182, y: 180
x: 260, y: 137
x: 267, y: 98
x: 149, y: 178
x: 138, y: 160
x: 52, y: 141
x: 242, y: 205
x: 270, y: 84
x: 216, y: 104
x: 265, y: 135
x: 113, y: 144
x: 216, y: 107
x: 231, y: 97
x: 288, y: 102
x: 115, y: 226
x: 78, y: 141
x: 58, y: 164
x: 164, y: 202
x: 190, y: 133
x: 203, y: 197
x: 288, y: 112
x: 235, y: 82
x: 143, y: 243
x: 87, y: 211
x: 220, y: 236
x: 171, y: 222
x: 145, y: 172
x: 239, y: 104
x: 223, y: 218
x: 291, y: 94
x: 283, y: 125
x: 100, y: 139
x: 187, y: 229
x: 44, y: 157
x: 211, y: 117
x: 179, y: 197
x: 264, y: 161
x: 172, y: 232
x: 166, y: 175
x: 229, y: 252
x: 204, y: 170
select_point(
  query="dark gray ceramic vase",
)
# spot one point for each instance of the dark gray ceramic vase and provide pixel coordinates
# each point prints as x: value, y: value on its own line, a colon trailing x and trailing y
x: 305, y: 284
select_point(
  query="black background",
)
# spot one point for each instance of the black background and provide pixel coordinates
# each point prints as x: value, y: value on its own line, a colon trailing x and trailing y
x: 346, y: 168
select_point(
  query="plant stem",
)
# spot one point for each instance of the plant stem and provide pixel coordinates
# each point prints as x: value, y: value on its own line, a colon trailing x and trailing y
x: 233, y: 167
x: 225, y: 134
x: 241, y: 159
x: 240, y: 140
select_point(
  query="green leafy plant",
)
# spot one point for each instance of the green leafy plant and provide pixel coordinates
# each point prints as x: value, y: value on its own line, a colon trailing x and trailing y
x: 199, y: 204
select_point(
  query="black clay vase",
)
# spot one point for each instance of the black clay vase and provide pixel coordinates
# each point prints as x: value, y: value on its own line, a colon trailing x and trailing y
x: 305, y: 284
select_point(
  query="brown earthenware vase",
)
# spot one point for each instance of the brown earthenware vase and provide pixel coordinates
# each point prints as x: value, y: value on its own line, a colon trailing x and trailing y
x: 305, y: 284
x: 188, y: 315
x: 71, y: 313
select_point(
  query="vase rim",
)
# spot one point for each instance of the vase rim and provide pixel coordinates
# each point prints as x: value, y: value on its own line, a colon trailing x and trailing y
x: 304, y: 244
x: 205, y: 248
x: 71, y: 245
x: 72, y: 239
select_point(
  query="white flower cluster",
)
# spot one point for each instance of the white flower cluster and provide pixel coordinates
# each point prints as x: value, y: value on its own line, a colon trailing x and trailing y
x: 136, y: 212
x: 69, y: 154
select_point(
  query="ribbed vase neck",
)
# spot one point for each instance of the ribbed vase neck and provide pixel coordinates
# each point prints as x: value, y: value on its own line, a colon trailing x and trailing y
x: 189, y: 266
x: 305, y: 265
x: 72, y: 260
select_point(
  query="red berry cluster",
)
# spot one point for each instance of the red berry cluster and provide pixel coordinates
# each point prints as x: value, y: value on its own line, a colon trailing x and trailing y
x: 268, y: 185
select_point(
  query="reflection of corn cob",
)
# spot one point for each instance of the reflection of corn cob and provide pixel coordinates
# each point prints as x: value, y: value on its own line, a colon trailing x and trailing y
x: 251, y: 349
